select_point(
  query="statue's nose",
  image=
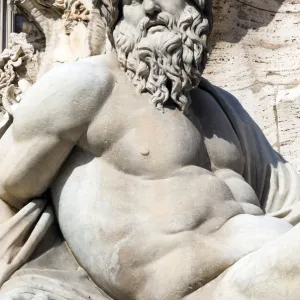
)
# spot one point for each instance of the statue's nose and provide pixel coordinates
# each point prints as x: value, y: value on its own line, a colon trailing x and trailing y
x: 151, y: 8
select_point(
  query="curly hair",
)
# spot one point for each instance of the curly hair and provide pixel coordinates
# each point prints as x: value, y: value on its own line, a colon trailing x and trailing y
x: 170, y: 69
x: 109, y: 10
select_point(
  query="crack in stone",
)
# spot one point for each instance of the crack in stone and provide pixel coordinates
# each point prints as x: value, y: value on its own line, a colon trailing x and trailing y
x: 278, y: 144
x: 270, y: 11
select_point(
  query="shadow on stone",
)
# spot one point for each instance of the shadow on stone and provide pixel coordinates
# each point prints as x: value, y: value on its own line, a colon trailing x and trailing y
x: 234, y: 18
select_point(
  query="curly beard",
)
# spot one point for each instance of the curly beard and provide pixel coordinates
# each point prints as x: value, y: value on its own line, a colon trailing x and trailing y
x: 167, y: 70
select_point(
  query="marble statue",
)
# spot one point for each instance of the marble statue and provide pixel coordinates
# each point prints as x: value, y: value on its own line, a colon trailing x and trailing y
x: 126, y: 175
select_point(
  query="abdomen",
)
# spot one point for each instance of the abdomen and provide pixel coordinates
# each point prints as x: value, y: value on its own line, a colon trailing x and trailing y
x: 132, y: 234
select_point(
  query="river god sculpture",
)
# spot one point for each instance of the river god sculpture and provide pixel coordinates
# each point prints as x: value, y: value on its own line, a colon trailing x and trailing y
x: 162, y: 185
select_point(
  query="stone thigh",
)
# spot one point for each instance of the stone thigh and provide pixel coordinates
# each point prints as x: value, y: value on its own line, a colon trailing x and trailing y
x: 270, y: 273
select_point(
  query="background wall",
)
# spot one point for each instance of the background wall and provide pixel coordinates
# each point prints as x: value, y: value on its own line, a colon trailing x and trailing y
x: 256, y: 56
x: 6, y: 23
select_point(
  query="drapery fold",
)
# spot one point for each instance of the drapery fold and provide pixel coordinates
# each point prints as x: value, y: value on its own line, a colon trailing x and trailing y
x: 21, y: 234
x: 275, y: 182
x: 55, y: 284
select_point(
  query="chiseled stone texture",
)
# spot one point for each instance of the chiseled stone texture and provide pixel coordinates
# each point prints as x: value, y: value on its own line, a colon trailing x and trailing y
x: 256, y: 56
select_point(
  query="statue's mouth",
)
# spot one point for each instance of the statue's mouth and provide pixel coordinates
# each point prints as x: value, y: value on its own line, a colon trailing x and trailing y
x: 155, y: 27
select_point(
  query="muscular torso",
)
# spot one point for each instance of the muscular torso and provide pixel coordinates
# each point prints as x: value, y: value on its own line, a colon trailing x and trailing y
x: 138, y: 201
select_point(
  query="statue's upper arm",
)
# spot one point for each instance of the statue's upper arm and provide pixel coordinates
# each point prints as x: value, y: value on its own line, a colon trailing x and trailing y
x: 47, y: 124
x: 64, y: 101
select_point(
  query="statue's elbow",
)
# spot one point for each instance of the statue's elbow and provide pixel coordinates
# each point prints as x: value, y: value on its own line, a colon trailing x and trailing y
x: 16, y: 194
x: 7, y: 196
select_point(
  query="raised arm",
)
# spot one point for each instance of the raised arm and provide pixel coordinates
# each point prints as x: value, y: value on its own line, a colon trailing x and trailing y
x: 55, y: 112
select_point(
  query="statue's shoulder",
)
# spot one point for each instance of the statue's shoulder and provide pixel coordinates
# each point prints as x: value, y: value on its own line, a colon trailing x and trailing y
x: 90, y: 73
x: 87, y: 82
x: 67, y: 96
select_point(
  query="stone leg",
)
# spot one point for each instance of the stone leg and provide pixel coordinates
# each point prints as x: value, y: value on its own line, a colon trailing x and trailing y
x: 270, y: 273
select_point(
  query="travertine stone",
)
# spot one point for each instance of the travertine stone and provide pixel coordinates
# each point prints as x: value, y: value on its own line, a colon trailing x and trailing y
x: 288, y: 120
x: 256, y: 45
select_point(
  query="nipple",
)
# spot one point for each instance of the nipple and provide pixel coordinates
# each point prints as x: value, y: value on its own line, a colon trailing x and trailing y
x: 145, y: 151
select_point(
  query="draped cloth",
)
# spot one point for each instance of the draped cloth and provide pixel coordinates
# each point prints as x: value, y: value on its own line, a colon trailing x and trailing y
x: 275, y: 182
x: 21, y: 234
x: 35, y: 254
x: 34, y: 258
x: 51, y: 285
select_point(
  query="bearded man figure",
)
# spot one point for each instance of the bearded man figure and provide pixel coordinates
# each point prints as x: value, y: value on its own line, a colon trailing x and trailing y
x: 174, y: 56
x: 162, y: 185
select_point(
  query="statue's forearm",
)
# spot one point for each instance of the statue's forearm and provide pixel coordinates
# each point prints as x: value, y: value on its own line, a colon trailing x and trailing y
x: 47, y: 125
x: 24, y: 176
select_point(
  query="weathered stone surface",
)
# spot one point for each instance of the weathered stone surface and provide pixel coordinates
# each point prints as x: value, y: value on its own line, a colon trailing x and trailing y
x: 60, y: 32
x: 162, y: 185
x: 18, y: 71
x: 256, y: 50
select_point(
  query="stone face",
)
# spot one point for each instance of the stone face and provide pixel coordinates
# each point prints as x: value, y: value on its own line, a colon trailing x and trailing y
x: 256, y: 45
